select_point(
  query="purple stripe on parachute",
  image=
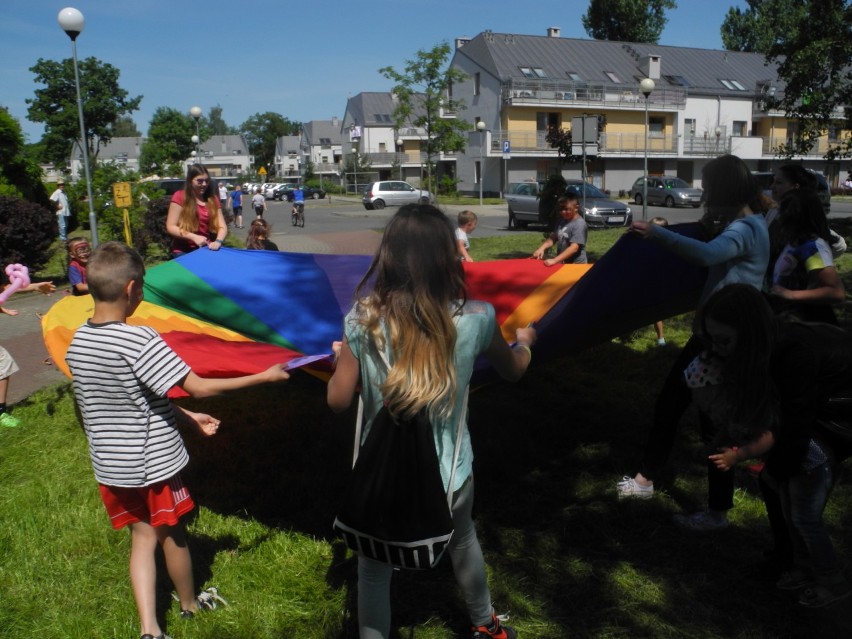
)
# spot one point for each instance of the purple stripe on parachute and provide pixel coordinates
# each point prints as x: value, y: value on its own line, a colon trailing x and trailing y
x: 634, y: 284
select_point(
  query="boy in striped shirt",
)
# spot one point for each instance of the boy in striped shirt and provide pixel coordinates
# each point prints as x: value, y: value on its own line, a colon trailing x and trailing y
x: 121, y: 374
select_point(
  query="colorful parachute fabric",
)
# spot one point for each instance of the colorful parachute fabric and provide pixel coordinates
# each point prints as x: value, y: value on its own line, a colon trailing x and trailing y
x: 235, y: 312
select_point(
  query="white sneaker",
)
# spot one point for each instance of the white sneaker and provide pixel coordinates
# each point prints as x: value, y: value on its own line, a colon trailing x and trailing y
x: 628, y: 488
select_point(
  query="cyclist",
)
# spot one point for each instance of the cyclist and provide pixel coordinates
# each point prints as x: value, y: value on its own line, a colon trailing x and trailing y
x: 298, y: 203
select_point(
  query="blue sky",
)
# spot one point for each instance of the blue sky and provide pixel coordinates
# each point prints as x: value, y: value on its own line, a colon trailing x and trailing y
x: 248, y: 57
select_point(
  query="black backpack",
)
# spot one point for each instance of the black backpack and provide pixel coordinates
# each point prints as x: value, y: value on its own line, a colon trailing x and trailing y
x: 395, y: 509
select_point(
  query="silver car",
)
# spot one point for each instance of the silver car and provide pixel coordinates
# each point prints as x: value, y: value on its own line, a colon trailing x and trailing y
x: 378, y: 195
x: 664, y: 190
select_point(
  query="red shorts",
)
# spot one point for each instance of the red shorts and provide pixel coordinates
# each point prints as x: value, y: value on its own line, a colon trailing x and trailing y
x: 160, y: 504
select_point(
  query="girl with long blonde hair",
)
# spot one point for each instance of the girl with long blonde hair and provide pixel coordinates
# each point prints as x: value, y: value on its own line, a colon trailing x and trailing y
x: 410, y: 341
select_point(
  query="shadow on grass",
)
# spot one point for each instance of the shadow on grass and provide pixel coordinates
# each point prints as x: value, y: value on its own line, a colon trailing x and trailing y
x: 559, y: 545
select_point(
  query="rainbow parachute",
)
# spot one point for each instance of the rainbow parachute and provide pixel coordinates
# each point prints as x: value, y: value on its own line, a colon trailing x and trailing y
x: 236, y: 312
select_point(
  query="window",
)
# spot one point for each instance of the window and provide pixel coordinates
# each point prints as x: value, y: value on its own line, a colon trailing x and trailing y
x: 656, y: 126
x: 733, y: 85
x: 382, y: 117
x: 325, y: 141
x: 834, y: 132
x: 574, y: 76
x: 689, y: 126
x: 677, y: 80
x: 533, y: 72
x: 739, y: 128
x: 477, y: 172
x: 612, y: 77
x: 476, y: 87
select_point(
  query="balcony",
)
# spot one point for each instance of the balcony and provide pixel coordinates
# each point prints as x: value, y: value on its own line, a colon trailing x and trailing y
x: 550, y: 93
x: 533, y: 143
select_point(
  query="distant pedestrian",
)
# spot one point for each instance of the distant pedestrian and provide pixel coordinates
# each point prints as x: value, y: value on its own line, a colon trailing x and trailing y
x: 258, y: 203
x: 223, y: 201
x: 237, y: 206
x: 63, y: 210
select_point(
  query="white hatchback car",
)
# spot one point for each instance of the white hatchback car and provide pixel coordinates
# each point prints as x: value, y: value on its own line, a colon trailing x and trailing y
x: 378, y: 195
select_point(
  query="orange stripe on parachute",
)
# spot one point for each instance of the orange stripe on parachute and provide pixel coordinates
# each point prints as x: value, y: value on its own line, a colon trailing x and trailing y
x: 60, y: 324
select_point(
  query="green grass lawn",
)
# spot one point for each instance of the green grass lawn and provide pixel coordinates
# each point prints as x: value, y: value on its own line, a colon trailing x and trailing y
x: 565, y: 557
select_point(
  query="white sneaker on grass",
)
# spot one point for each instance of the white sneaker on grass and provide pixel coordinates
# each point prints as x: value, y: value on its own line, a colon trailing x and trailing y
x: 630, y: 488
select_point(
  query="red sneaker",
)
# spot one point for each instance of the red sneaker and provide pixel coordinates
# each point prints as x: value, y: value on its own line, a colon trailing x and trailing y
x: 494, y: 631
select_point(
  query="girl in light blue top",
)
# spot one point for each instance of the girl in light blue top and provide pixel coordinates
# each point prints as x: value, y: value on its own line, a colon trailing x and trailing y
x: 412, y: 310
x: 736, y: 253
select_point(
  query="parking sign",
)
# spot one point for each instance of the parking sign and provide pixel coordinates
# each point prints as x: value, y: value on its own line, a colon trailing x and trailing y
x: 507, y: 149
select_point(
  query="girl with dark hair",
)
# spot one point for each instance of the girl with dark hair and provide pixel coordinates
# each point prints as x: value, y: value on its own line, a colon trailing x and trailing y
x: 258, y: 236
x: 194, y: 215
x: 804, y: 281
x: 737, y: 252
x: 411, y: 311
x: 777, y: 380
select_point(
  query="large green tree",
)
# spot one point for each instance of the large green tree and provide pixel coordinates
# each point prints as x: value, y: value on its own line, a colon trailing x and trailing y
x: 423, y: 92
x: 169, y: 142
x: 811, y: 41
x: 262, y: 131
x: 55, y: 105
x: 125, y: 127
x: 20, y: 174
x: 627, y: 20
x: 216, y: 125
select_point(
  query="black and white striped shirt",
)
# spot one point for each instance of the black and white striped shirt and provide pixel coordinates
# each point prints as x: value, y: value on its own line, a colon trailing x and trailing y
x: 121, y: 375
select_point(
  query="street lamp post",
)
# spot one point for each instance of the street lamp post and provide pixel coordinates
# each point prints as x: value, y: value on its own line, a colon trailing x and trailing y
x: 195, y: 112
x: 72, y: 23
x: 399, y: 147
x: 646, y: 86
x: 480, y: 126
x: 718, y: 135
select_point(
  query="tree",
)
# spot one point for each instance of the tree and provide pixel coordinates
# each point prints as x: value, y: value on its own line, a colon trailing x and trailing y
x: 169, y: 142
x: 20, y: 174
x: 423, y: 92
x: 125, y: 127
x: 262, y: 131
x: 811, y: 42
x: 213, y: 124
x: 104, y: 101
x: 627, y: 20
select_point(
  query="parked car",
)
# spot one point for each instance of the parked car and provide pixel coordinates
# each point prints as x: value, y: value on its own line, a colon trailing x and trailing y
x: 311, y: 193
x: 665, y: 190
x: 522, y: 199
x: 766, y: 178
x: 378, y: 195
x: 269, y: 188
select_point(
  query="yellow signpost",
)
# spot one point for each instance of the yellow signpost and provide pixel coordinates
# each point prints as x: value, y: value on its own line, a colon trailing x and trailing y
x: 122, y: 198
x: 262, y: 171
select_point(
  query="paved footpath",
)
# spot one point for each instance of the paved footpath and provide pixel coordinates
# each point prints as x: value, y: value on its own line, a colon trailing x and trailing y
x: 21, y: 335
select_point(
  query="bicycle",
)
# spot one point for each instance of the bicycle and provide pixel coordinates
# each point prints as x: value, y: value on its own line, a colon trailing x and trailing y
x: 297, y: 217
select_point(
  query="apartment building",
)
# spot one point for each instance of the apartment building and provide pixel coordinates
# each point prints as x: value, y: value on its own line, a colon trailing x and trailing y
x: 704, y: 103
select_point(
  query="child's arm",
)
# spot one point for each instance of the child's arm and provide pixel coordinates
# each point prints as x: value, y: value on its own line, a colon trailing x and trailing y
x: 41, y: 287
x: 209, y: 386
x: 727, y: 458
x: 539, y: 252
x: 511, y: 363
x: 205, y: 423
x: 573, y: 249
x: 463, y: 251
x: 347, y: 373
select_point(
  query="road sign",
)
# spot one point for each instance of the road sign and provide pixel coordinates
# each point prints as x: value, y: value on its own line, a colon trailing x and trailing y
x: 121, y: 194
x: 262, y: 170
x: 507, y: 149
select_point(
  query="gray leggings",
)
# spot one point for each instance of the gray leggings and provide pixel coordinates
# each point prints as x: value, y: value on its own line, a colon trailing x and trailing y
x: 374, y: 614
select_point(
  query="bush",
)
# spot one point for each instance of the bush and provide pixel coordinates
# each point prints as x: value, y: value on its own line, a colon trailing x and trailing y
x: 27, y: 231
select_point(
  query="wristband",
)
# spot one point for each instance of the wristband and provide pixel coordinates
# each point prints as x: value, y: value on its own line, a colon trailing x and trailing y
x: 526, y: 348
